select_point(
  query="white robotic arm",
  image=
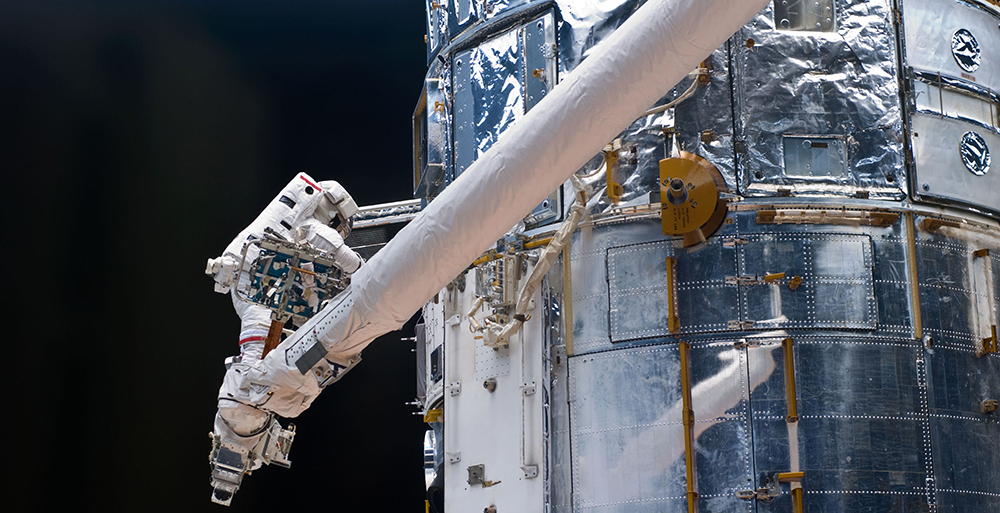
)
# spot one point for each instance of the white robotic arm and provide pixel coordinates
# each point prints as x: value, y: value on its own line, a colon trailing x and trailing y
x: 657, y: 46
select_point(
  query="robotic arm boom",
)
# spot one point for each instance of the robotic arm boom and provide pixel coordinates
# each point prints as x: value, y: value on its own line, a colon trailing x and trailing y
x: 625, y: 74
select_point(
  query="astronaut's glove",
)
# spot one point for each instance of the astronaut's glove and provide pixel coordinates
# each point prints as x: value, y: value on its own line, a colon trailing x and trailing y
x: 223, y: 269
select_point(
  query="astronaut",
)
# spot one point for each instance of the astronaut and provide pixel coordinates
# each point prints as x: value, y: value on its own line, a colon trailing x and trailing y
x: 245, y: 435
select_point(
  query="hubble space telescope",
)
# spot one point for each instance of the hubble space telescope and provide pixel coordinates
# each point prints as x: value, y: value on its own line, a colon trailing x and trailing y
x: 677, y: 255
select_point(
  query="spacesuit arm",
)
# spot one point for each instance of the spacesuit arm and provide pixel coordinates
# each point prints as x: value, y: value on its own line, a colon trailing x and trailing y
x: 329, y: 240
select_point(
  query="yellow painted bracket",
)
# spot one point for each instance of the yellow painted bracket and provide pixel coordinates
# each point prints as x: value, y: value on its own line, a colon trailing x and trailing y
x: 911, y: 263
x: 768, y: 278
x: 842, y: 217
x: 489, y: 256
x: 790, y: 477
x: 796, y: 478
x: 932, y: 225
x: 537, y: 243
x: 793, y: 409
x: 688, y: 421
x: 433, y: 415
x: 795, y: 282
x: 988, y: 344
x: 673, y: 320
x: 611, y: 162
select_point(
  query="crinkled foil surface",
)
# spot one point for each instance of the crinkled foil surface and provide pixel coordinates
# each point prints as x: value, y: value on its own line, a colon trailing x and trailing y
x: 839, y: 84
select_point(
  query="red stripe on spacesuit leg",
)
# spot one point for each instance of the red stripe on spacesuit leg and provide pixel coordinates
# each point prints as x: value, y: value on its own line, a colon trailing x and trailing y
x: 251, y: 339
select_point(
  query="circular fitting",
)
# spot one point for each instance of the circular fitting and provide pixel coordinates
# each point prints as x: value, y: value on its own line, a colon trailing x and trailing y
x: 689, y: 198
x: 490, y: 384
x: 676, y: 193
x: 689, y: 192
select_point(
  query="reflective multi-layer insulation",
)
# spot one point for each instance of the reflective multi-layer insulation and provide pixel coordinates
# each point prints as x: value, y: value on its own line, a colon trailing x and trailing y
x: 838, y: 330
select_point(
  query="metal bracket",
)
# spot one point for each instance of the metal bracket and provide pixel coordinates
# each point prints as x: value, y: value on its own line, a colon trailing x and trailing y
x: 796, y: 479
x: 790, y: 477
x: 747, y: 279
x: 932, y: 225
x: 455, y: 388
x: 739, y: 325
x: 842, y: 217
x: 745, y: 343
x: 454, y: 457
x: 747, y: 495
x: 740, y: 280
x: 559, y: 355
x: 530, y: 471
x: 528, y: 388
x: 731, y: 242
x: 433, y: 415
x: 989, y: 344
x: 760, y: 494
x: 772, y: 489
x: 477, y: 474
x: 754, y: 279
x: 614, y: 191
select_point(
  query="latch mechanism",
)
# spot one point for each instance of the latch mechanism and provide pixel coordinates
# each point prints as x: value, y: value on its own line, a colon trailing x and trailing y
x: 755, y: 279
x: 772, y: 489
x: 739, y: 325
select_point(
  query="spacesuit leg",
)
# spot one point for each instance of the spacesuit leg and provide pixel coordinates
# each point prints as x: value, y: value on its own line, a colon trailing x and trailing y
x: 239, y: 428
x: 254, y: 323
x: 241, y: 419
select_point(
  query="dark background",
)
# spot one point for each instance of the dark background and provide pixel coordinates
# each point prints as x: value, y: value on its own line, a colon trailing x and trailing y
x: 137, y: 138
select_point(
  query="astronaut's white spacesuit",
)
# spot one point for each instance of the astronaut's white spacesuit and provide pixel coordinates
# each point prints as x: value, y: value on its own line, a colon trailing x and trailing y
x: 246, y: 434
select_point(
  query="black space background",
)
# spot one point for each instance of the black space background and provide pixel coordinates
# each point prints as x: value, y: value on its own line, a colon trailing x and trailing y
x: 137, y: 138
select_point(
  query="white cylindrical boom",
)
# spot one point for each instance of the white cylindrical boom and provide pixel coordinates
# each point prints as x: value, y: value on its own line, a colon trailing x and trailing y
x: 652, y: 51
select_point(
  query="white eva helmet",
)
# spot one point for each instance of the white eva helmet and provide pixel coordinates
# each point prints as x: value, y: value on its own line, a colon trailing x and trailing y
x: 336, y: 207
